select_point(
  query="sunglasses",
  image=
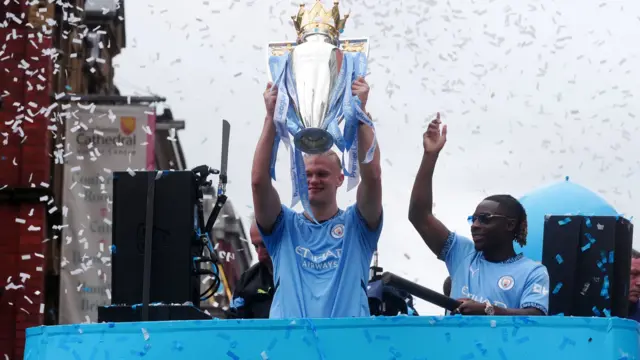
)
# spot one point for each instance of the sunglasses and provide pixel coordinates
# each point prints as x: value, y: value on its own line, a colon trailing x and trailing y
x: 484, y: 219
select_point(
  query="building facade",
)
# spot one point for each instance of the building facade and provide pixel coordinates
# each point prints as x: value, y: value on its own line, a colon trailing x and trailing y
x: 52, y: 52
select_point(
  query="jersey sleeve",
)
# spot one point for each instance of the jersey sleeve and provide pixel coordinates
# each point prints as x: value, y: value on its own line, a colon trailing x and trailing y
x: 272, y: 240
x: 368, y: 237
x: 536, y: 290
x: 456, y: 248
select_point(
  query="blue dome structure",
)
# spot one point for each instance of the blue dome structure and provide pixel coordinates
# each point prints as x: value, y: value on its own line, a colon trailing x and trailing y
x: 561, y: 198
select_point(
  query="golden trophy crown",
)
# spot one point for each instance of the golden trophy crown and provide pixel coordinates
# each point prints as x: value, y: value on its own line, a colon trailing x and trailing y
x: 319, y: 21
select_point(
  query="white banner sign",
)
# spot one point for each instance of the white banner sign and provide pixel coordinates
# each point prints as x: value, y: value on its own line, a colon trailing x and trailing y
x: 99, y: 141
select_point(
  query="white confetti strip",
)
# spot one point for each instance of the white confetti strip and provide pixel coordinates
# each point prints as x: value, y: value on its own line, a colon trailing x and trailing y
x: 145, y: 334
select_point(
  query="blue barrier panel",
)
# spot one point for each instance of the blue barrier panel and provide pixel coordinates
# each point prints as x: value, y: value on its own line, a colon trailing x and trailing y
x: 401, y: 337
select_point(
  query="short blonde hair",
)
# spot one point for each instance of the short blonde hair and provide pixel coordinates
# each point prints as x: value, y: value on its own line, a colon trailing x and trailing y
x: 328, y: 153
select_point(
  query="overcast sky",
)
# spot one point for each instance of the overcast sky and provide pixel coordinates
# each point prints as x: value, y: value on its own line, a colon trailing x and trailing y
x: 531, y: 91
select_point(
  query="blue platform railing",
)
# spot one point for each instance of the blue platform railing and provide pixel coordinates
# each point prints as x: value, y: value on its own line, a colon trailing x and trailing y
x: 402, y: 337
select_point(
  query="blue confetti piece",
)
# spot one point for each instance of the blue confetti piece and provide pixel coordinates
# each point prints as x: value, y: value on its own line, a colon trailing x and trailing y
x: 367, y: 336
x: 505, y: 335
x: 481, y: 348
x: 306, y: 341
x: 447, y: 337
x: 224, y: 336
x: 559, y: 314
x: 503, y: 356
x: 113, y: 249
x: 564, y: 221
x: 609, y: 326
x: 606, y: 312
x: 75, y: 354
x: 272, y: 344
x: 111, y: 325
x: 566, y: 341
x: 467, y: 357
x: 587, y: 222
x: 611, y: 257
x: 526, y: 320
x: 395, y: 352
x: 586, y: 247
x: 232, y: 355
x: 559, y: 259
x: 233, y: 344
x: 596, y: 311
x: 557, y: 288
x: 605, y: 286
x: 522, y: 340
x: 312, y: 327
x: 590, y: 238
x: 515, y: 331
x: 287, y: 333
x: 177, y: 346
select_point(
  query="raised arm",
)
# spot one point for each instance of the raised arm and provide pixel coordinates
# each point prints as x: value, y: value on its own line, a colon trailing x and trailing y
x: 432, y: 231
x: 266, y: 202
x: 369, y: 196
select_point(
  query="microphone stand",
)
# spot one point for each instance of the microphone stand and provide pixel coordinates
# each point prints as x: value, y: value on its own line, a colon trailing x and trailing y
x: 202, y: 172
x: 420, y: 291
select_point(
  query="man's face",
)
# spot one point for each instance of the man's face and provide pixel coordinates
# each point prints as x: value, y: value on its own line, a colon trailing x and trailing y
x: 634, y: 287
x: 489, y: 227
x: 256, y: 240
x: 324, y: 177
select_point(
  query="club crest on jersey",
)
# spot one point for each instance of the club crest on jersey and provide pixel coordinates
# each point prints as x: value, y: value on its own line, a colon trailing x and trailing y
x: 337, y: 232
x: 506, y: 283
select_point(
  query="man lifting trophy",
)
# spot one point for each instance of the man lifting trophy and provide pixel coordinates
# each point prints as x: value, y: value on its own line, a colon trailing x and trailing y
x: 321, y: 255
x: 314, y: 77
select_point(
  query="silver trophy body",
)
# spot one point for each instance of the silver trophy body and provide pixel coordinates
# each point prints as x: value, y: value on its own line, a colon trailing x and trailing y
x: 316, y: 65
x: 316, y: 62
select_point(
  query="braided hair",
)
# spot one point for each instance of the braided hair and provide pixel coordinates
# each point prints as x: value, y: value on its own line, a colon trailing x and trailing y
x: 515, y: 209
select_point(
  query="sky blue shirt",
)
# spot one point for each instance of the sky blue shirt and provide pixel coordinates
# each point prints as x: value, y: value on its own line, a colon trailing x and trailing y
x: 321, y: 270
x: 516, y: 283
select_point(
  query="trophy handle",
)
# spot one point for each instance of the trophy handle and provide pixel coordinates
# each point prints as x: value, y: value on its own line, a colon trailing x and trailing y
x: 280, y: 48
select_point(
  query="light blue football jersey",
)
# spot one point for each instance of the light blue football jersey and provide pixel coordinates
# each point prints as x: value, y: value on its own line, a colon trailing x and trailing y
x: 321, y: 270
x: 516, y: 283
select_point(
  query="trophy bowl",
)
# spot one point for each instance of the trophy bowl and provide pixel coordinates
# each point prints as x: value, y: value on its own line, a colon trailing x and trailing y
x: 315, y: 65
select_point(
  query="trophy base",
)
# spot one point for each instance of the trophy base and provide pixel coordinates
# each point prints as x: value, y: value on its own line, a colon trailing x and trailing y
x: 313, y: 140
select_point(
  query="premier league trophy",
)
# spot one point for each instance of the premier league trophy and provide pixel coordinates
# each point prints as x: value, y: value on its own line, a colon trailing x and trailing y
x: 313, y: 76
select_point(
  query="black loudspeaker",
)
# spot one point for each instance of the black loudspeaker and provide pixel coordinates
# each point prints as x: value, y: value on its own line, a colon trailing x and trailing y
x: 589, y: 261
x: 174, y: 244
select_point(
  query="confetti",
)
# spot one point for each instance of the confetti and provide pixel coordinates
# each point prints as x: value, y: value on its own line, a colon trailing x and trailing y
x: 557, y: 288
x: 559, y: 259
x: 145, y: 334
